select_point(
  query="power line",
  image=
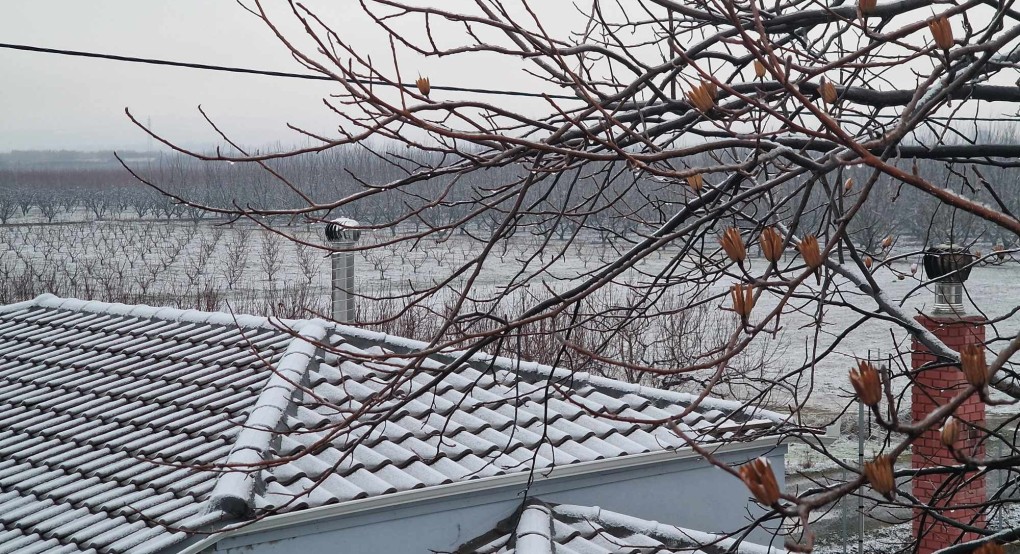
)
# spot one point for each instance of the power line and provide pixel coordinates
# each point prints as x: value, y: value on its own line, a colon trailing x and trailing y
x: 250, y: 71
x: 309, y: 76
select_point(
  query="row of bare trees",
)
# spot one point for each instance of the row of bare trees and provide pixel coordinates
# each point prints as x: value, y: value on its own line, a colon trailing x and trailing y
x: 185, y: 265
x: 621, y: 205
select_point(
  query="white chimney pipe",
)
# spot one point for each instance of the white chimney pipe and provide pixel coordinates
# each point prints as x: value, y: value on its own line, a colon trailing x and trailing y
x: 948, y: 299
x: 949, y: 267
x: 343, y: 233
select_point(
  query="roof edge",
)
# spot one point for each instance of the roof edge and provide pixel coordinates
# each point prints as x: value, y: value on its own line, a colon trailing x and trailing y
x: 24, y: 305
x: 47, y: 300
x: 659, y: 530
x: 472, y: 487
x: 234, y: 489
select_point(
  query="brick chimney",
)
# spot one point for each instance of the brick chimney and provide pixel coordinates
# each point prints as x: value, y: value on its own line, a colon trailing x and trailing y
x: 935, y: 384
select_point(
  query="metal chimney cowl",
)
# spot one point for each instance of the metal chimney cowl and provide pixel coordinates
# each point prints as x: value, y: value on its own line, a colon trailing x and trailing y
x: 342, y: 232
x: 948, y: 267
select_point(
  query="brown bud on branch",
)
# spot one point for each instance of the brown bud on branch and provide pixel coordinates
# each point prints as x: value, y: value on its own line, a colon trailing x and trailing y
x: 733, y: 245
x: 879, y: 473
x: 949, y: 433
x: 828, y: 92
x: 867, y: 6
x: 771, y: 244
x: 867, y: 383
x: 942, y: 31
x: 972, y: 362
x: 423, y: 85
x: 809, y: 251
x: 759, y: 69
x: 743, y: 300
x: 703, y: 96
x: 757, y: 475
x: 696, y: 181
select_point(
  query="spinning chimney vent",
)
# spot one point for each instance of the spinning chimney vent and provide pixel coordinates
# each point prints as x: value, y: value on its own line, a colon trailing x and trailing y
x: 948, y: 266
x: 343, y: 233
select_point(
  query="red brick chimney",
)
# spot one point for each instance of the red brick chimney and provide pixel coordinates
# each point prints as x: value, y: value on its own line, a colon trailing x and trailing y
x: 934, y: 387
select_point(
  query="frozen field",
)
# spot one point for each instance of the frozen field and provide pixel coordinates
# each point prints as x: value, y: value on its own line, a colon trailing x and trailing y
x: 250, y: 270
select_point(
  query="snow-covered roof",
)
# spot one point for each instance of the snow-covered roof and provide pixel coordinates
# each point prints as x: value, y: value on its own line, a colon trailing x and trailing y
x: 541, y: 528
x: 103, y: 411
x: 482, y: 421
x: 116, y: 421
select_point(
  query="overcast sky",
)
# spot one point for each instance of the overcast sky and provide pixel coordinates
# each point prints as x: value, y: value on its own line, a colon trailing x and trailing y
x: 56, y: 102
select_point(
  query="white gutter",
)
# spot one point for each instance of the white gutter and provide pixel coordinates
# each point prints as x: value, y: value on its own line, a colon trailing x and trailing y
x: 405, y: 498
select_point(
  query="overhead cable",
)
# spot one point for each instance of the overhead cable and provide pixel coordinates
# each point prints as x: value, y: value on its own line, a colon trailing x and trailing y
x: 268, y: 73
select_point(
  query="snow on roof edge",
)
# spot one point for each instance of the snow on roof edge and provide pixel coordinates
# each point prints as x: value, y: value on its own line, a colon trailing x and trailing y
x: 517, y: 365
x: 235, y: 487
x: 656, y: 529
x: 18, y: 306
x: 47, y: 300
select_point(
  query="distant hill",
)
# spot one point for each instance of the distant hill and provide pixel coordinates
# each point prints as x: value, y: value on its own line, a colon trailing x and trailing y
x: 70, y: 159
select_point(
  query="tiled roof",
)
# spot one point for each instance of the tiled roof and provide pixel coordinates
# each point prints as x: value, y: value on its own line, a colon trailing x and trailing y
x: 482, y: 421
x: 116, y: 421
x: 105, y: 410
x: 540, y: 528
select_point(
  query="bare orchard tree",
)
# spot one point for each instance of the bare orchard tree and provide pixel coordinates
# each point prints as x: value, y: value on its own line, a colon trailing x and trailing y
x: 8, y: 205
x: 675, y: 140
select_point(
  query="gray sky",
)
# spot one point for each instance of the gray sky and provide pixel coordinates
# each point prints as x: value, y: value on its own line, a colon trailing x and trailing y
x: 56, y: 102
x: 52, y: 102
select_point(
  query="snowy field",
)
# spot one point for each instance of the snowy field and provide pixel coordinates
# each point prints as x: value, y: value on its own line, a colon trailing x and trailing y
x: 208, y: 266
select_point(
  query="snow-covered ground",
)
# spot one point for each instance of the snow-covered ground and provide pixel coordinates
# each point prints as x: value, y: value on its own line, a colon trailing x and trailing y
x: 893, y: 538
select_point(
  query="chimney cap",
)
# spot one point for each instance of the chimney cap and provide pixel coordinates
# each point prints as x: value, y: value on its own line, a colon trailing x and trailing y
x: 947, y: 263
x: 343, y: 229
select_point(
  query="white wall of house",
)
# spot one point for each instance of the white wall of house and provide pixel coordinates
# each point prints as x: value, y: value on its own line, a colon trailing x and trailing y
x: 683, y: 491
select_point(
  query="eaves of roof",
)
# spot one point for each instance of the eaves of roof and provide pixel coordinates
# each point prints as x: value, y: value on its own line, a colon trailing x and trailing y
x: 469, y: 488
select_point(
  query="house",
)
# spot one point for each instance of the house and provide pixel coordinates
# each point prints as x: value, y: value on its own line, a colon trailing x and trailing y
x: 148, y: 430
